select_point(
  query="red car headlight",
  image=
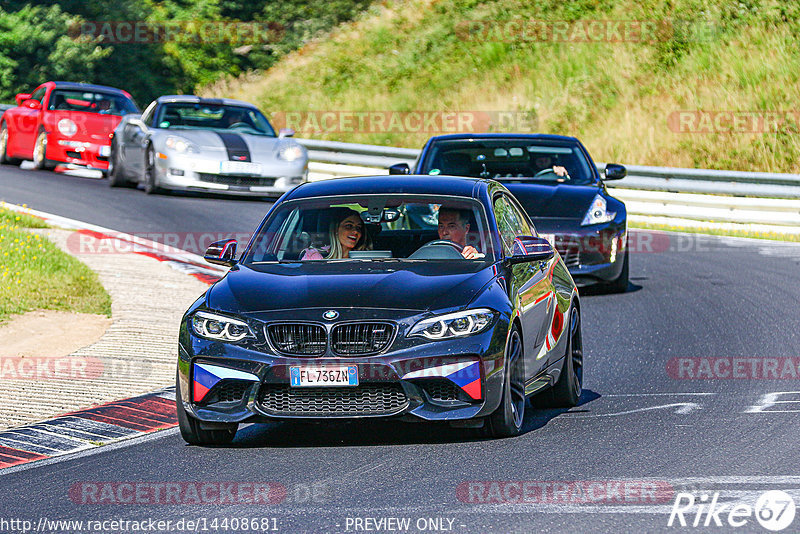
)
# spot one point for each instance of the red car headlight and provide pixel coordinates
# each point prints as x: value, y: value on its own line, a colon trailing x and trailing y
x: 67, y: 127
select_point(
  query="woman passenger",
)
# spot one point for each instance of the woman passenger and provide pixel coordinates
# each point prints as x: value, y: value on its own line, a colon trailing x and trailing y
x: 346, y: 232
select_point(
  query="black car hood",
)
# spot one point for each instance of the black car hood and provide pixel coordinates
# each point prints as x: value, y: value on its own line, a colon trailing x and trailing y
x: 398, y: 285
x: 547, y: 201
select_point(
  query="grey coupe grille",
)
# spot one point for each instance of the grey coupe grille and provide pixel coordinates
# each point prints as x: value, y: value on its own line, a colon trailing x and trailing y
x: 366, y: 399
x: 361, y: 338
x: 248, y: 181
x: 298, y: 338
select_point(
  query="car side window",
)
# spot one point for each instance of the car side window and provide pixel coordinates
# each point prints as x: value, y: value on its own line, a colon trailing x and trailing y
x: 508, y: 223
x: 524, y: 227
x: 39, y: 94
x: 147, y: 116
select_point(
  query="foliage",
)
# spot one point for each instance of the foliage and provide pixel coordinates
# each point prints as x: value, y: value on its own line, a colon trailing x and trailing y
x: 192, y: 57
x: 34, y: 47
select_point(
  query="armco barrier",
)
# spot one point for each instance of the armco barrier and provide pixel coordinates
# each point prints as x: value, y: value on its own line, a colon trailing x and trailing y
x: 756, y: 198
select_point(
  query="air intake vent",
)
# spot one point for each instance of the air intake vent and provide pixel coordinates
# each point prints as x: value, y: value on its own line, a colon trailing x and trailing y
x: 361, y: 338
x: 298, y: 339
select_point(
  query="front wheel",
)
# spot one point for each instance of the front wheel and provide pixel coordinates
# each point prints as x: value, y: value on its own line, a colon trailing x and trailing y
x: 114, y: 173
x: 4, y: 159
x: 191, y: 431
x: 506, y: 421
x: 40, y: 161
x: 567, y: 391
x: 150, y: 180
x: 620, y: 285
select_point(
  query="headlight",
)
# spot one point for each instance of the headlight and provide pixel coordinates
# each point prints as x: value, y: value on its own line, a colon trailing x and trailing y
x: 67, y: 127
x: 463, y: 323
x: 598, y: 213
x: 290, y: 153
x: 179, y: 145
x: 213, y: 326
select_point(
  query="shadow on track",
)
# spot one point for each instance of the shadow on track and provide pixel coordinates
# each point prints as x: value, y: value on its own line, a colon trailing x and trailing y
x: 599, y: 289
x: 366, y: 433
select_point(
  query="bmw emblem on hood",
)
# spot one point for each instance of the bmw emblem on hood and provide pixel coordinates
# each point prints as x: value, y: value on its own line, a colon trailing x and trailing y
x: 330, y: 315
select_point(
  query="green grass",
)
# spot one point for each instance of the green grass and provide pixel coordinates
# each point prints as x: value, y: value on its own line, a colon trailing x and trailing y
x: 618, y: 97
x: 35, y: 274
x: 771, y: 236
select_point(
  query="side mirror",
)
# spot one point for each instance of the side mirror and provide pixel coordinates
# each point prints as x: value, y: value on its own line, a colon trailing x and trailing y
x: 285, y: 132
x: 33, y: 104
x: 530, y: 248
x: 399, y: 168
x: 222, y: 253
x: 22, y: 97
x: 614, y: 171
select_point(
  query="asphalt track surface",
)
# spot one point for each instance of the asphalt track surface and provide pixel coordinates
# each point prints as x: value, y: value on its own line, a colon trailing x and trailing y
x: 641, y: 424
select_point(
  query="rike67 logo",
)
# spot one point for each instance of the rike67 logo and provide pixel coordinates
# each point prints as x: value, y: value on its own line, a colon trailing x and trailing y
x: 774, y: 510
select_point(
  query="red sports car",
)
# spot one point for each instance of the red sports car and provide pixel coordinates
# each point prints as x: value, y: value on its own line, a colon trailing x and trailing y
x: 63, y: 123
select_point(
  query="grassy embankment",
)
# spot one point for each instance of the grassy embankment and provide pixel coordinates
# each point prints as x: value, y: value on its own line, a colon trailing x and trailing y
x: 36, y: 274
x: 416, y: 55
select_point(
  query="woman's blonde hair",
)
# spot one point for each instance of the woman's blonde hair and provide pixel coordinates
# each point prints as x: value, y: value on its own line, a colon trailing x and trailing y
x: 340, y: 214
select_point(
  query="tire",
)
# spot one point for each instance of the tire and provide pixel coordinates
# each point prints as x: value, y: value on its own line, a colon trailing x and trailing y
x: 4, y: 159
x: 40, y: 161
x: 567, y: 391
x: 115, y: 177
x: 620, y: 285
x: 507, y: 420
x: 150, y: 182
x: 192, y: 433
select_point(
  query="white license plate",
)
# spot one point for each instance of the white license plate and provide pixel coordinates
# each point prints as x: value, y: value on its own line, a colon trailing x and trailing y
x: 239, y: 167
x: 105, y: 151
x: 323, y: 376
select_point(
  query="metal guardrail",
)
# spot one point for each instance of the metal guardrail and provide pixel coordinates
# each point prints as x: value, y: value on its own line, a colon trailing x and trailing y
x: 663, y: 192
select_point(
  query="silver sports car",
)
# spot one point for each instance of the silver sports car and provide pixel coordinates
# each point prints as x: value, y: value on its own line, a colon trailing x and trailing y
x: 218, y: 145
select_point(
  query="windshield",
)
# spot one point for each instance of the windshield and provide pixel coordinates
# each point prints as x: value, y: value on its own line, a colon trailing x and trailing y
x: 91, y: 102
x: 509, y: 160
x: 187, y: 115
x: 374, y: 228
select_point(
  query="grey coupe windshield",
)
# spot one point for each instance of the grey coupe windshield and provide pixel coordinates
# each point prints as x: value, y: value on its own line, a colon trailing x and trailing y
x: 509, y: 160
x: 379, y: 228
x: 188, y: 115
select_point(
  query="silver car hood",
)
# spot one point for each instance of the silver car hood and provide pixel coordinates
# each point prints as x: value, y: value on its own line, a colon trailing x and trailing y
x: 210, y: 140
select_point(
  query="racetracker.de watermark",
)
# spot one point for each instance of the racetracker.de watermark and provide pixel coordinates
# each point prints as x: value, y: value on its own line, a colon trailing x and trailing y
x: 411, y: 122
x: 73, y: 368
x: 734, y: 122
x: 183, y: 31
x: 733, y: 368
x: 178, y: 493
x: 584, y: 31
x: 86, y: 242
x: 565, y: 492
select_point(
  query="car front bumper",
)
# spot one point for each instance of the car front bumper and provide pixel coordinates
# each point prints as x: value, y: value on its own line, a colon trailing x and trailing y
x: 593, y: 253
x: 433, y: 381
x: 201, y: 173
x: 84, y: 153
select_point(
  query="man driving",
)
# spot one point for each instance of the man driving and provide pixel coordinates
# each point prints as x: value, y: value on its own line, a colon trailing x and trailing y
x: 544, y: 161
x: 454, y: 226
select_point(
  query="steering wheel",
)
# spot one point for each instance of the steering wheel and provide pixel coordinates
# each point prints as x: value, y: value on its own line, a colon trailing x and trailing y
x: 238, y: 125
x: 550, y: 170
x: 438, y: 249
